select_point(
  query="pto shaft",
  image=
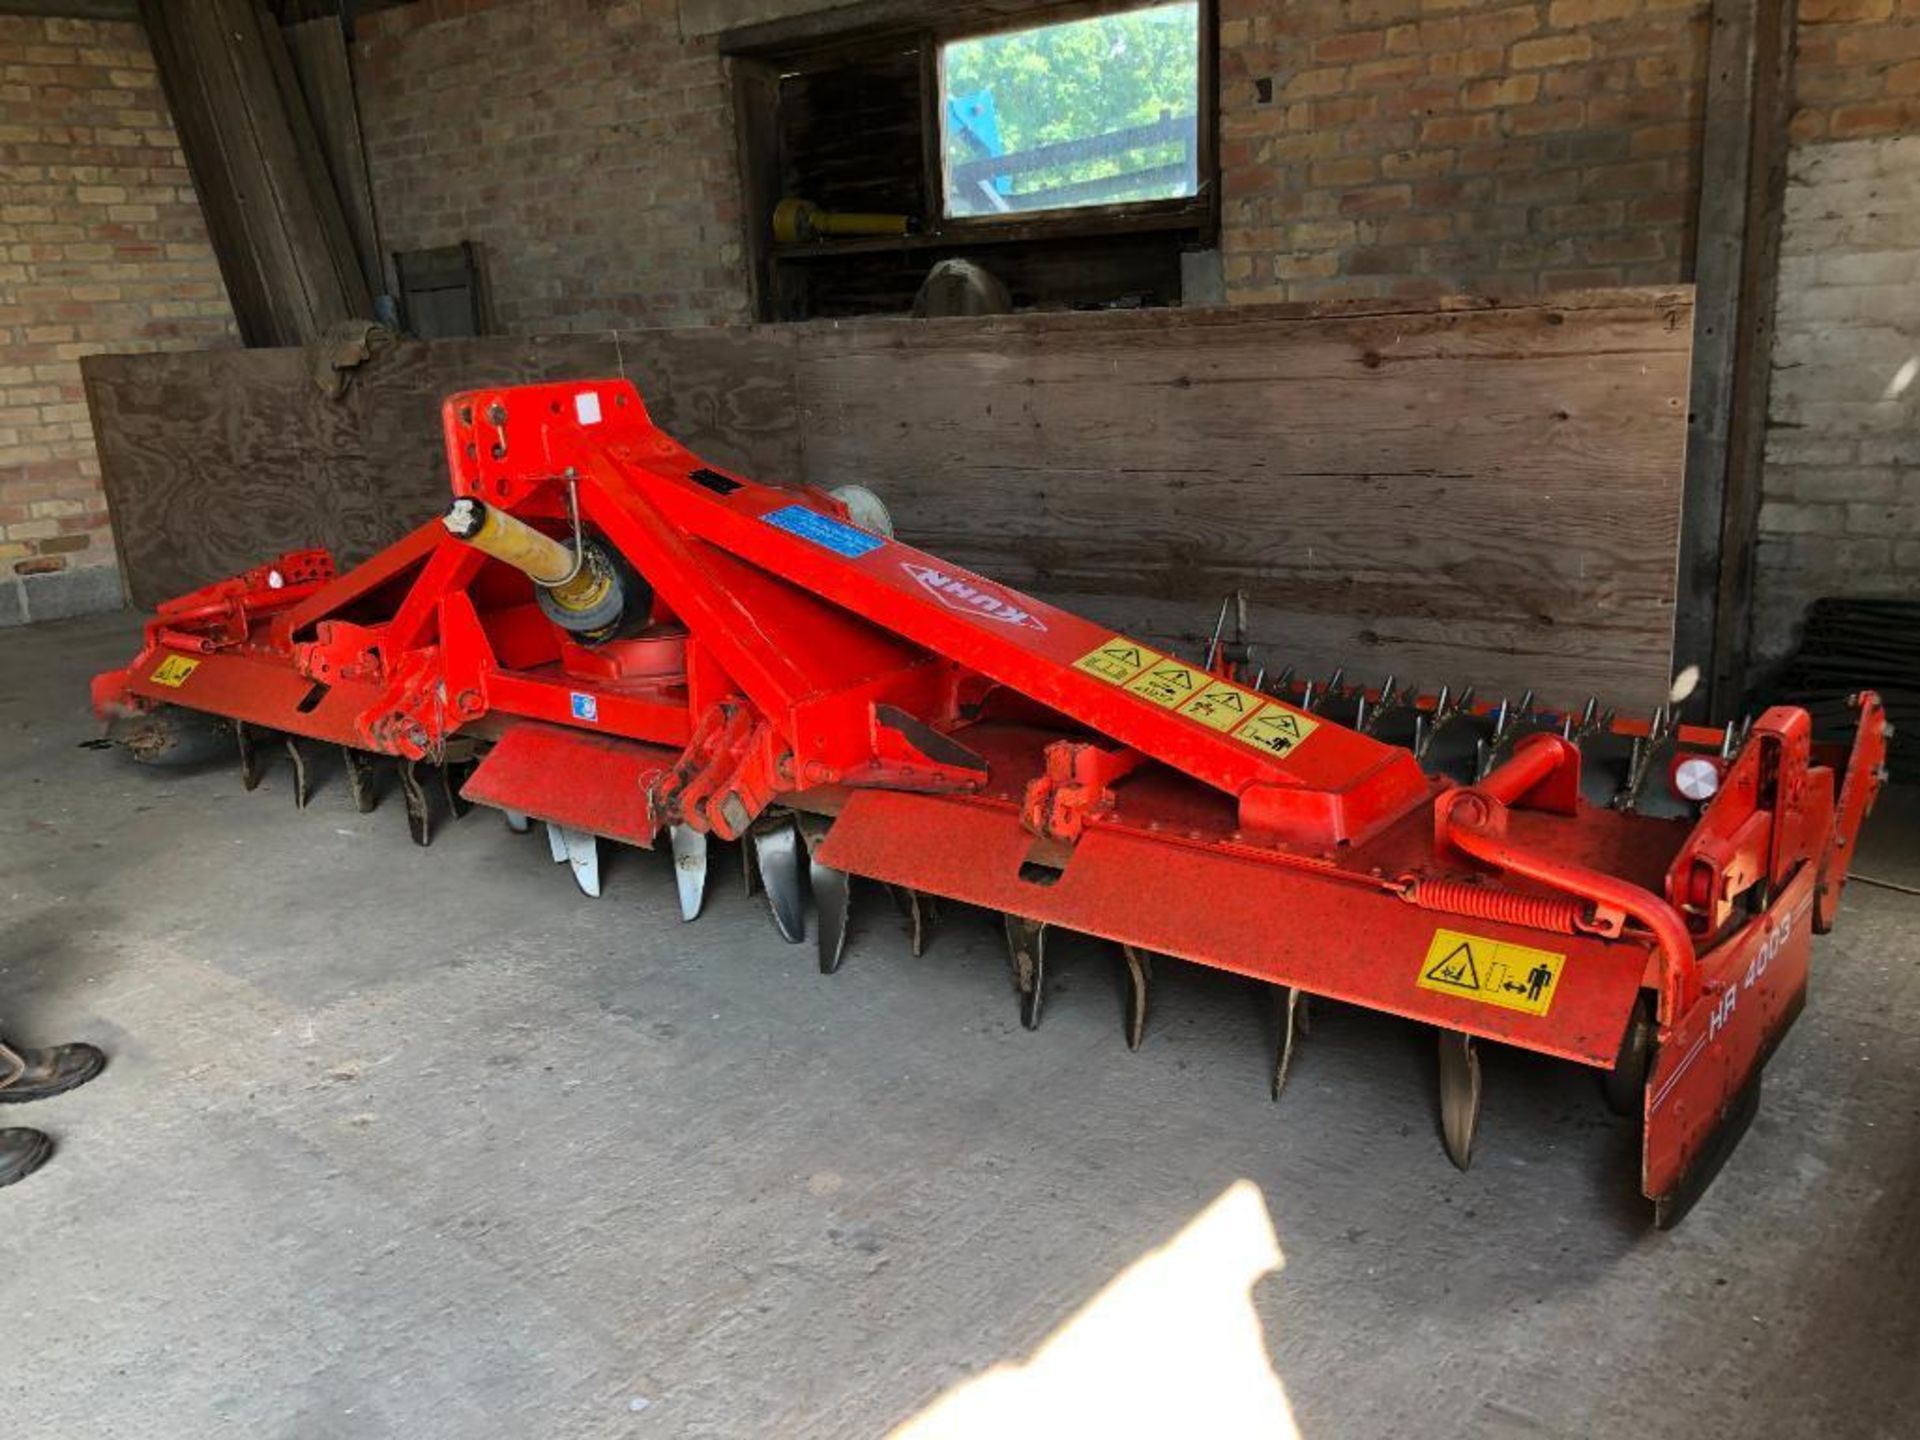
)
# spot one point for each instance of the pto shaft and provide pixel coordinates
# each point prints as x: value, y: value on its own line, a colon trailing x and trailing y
x: 581, y: 593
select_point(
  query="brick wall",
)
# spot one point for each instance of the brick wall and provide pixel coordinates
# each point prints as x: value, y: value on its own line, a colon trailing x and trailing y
x: 1368, y: 147
x: 1841, y: 496
x: 586, y: 146
x: 101, y: 248
x: 1413, y: 147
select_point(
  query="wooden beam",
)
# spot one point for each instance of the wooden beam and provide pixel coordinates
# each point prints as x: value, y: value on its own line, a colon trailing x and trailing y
x: 73, y: 9
x: 271, y: 211
x: 1753, y: 355
x: 318, y: 50
x: 1741, y: 166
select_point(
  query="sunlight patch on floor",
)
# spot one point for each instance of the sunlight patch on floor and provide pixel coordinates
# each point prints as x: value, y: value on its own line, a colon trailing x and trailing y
x: 1171, y: 1346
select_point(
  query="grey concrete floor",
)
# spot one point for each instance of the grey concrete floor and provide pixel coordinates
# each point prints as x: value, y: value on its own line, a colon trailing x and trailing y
x: 423, y: 1143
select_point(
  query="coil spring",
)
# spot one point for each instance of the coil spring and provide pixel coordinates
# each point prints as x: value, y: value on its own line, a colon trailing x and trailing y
x: 1505, y: 907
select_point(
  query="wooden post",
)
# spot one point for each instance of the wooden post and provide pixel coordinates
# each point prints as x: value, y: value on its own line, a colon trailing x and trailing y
x: 1742, y: 171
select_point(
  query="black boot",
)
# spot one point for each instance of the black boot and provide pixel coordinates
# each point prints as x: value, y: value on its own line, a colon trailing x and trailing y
x: 36, y: 1074
x: 21, y: 1153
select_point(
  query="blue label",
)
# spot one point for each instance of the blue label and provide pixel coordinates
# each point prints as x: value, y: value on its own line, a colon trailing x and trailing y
x: 823, y: 530
x: 586, y: 707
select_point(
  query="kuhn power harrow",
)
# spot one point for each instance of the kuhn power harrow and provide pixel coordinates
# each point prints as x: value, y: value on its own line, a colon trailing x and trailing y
x: 610, y: 636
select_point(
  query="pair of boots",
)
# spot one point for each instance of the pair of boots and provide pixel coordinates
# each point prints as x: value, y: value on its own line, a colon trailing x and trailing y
x: 36, y: 1075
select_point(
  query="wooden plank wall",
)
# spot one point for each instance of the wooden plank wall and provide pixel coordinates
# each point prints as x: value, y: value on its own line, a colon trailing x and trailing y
x: 1468, y: 493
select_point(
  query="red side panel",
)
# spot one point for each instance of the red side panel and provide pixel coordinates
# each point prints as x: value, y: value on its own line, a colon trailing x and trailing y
x: 1329, y: 934
x: 1754, y: 985
x: 587, y: 782
x: 260, y: 689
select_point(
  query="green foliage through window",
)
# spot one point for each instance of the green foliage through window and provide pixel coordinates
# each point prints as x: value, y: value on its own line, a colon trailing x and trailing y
x: 1088, y: 112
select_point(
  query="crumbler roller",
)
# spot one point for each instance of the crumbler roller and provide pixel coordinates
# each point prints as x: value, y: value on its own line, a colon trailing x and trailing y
x: 609, y: 636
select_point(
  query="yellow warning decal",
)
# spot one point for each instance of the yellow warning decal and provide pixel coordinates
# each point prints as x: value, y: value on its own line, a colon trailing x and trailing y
x: 1117, y: 660
x: 1515, y: 977
x: 1171, y: 683
x: 1221, y: 705
x: 1276, y: 730
x: 173, y: 671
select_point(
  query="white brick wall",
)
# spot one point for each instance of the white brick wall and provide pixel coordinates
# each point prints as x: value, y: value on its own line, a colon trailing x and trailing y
x: 1840, y: 513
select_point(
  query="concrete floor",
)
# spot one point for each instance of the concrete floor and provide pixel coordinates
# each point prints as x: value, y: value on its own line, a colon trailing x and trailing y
x: 423, y: 1143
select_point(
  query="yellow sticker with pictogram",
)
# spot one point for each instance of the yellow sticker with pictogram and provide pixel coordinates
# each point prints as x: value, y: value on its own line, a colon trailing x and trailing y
x: 1472, y: 967
x: 1276, y: 730
x: 1169, y: 682
x: 1221, y: 705
x: 173, y: 671
x: 1117, y: 660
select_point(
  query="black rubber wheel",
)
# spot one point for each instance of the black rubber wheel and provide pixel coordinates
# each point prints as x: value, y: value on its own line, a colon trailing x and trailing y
x: 1625, y: 1085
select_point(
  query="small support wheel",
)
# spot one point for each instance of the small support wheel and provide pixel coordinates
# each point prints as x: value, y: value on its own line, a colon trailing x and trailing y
x: 1625, y: 1085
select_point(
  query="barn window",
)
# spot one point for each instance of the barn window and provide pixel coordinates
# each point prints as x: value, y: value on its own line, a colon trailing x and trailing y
x: 1065, y: 152
x: 1095, y: 111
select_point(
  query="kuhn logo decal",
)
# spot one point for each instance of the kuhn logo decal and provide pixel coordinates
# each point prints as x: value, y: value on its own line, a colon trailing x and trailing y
x: 971, y: 596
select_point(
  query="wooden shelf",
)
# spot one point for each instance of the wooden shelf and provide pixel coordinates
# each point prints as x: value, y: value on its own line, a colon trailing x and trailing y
x: 979, y: 234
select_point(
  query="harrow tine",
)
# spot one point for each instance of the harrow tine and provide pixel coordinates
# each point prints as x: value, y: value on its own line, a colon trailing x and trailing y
x: 1459, y: 1095
x: 689, y: 868
x: 1212, y: 653
x: 776, y: 850
x: 579, y: 850
x: 517, y: 821
x: 1291, y: 1015
x: 453, y: 775
x: 1640, y: 758
x: 419, y: 811
x: 832, y: 904
x: 302, y: 778
x: 362, y: 778
x: 832, y: 897
x: 1027, y: 954
x: 1139, y: 974
x: 252, y: 766
x: 921, y: 910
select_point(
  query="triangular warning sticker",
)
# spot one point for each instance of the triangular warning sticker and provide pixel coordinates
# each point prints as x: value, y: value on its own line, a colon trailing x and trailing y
x: 1125, y: 654
x: 1457, y: 968
x: 1282, y: 721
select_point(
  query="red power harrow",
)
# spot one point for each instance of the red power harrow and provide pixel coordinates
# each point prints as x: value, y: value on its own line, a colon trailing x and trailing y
x: 612, y: 637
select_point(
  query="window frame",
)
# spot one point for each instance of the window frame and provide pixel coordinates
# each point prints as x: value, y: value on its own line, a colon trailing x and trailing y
x: 760, y: 54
